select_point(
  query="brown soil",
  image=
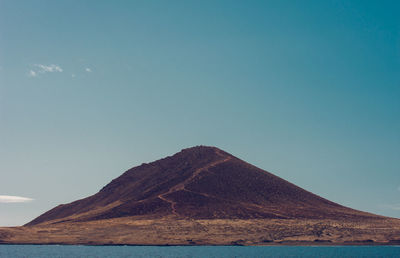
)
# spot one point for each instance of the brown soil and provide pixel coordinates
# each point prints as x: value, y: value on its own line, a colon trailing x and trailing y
x: 171, y: 231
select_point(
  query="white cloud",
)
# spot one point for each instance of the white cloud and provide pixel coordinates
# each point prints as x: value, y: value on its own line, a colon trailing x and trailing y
x: 87, y: 69
x: 13, y: 199
x: 42, y: 69
x: 32, y: 73
x: 49, y: 68
x: 73, y: 75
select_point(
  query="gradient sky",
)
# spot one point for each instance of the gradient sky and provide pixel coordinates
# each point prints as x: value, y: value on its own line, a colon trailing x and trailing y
x: 308, y: 90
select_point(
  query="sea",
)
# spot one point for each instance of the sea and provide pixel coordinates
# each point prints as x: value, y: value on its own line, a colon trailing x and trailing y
x: 61, y: 251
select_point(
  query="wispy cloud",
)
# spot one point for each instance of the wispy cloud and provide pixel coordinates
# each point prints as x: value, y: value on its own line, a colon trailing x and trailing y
x: 13, y: 199
x: 32, y: 73
x: 37, y: 70
x: 42, y: 69
x: 49, y: 68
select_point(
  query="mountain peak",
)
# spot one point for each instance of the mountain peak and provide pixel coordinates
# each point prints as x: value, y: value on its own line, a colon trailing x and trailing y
x: 201, y: 182
x: 200, y: 148
x: 204, y: 150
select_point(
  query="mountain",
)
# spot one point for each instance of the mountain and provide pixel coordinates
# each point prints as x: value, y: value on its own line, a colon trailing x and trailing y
x: 199, y: 183
x: 203, y: 195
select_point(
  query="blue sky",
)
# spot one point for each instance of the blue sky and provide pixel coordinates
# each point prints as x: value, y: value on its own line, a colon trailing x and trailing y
x: 308, y: 90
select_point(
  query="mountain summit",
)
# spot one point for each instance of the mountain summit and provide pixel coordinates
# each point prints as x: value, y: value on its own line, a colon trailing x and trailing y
x: 203, y: 196
x: 199, y: 183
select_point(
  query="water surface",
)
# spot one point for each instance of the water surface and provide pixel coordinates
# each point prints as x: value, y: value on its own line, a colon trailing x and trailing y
x: 47, y: 251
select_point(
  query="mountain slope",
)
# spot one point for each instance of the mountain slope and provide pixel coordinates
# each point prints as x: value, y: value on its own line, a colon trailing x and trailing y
x: 199, y: 183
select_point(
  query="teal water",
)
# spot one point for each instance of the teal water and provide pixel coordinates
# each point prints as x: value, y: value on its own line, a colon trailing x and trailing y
x: 47, y: 251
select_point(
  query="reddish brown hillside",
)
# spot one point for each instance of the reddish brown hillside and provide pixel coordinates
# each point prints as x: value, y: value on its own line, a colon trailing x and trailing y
x: 199, y: 183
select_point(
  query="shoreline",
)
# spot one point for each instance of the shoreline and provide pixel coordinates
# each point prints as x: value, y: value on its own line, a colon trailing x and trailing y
x: 300, y: 243
x: 170, y: 232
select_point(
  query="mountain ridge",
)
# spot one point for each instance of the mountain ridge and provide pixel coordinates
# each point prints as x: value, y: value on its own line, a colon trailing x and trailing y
x: 200, y: 182
x: 203, y: 196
